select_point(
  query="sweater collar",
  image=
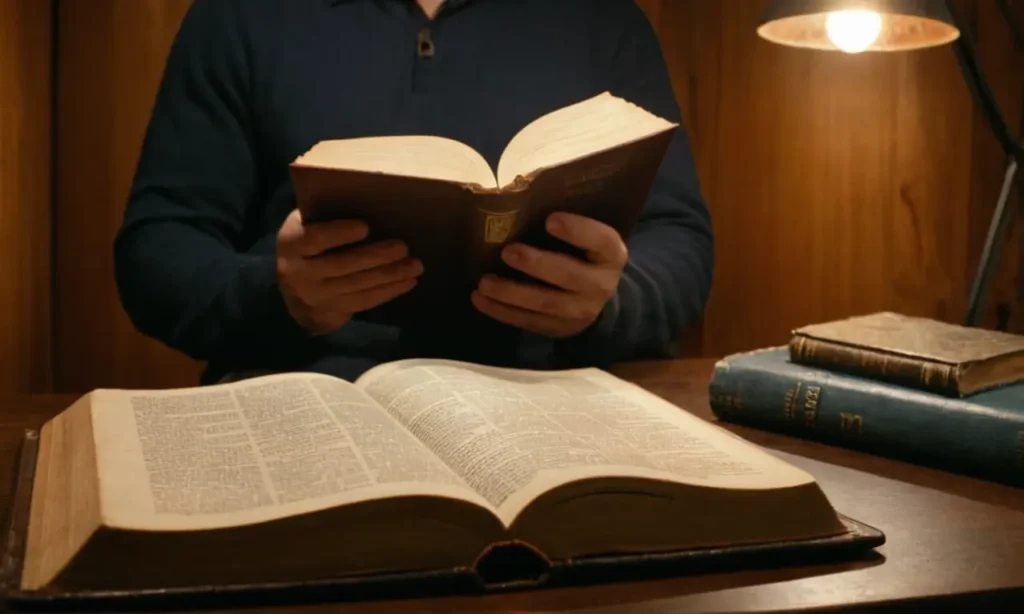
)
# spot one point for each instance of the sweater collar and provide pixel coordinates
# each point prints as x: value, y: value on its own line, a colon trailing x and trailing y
x: 451, y: 3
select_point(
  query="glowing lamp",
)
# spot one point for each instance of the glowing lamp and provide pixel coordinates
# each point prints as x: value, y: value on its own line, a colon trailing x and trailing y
x: 855, y: 26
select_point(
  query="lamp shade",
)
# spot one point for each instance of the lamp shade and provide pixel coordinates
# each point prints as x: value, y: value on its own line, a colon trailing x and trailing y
x: 859, y: 25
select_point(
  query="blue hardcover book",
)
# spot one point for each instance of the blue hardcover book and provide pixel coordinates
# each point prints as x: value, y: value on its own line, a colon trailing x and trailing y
x: 980, y: 435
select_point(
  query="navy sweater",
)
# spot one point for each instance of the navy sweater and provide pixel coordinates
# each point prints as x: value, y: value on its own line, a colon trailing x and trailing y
x: 251, y: 84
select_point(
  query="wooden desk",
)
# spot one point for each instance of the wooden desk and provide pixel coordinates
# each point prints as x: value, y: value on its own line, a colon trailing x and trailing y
x: 954, y: 543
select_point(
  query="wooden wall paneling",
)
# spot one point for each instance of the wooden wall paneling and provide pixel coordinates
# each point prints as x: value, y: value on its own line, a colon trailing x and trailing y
x: 1003, y: 64
x: 111, y: 59
x: 26, y: 28
x: 689, y: 32
x: 930, y: 204
x: 839, y: 185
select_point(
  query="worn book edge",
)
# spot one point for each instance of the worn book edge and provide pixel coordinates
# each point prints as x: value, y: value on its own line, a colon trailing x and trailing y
x: 952, y: 379
x: 896, y: 367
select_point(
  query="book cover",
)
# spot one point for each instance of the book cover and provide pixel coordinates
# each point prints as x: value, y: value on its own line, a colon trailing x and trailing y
x: 912, y: 351
x: 980, y: 435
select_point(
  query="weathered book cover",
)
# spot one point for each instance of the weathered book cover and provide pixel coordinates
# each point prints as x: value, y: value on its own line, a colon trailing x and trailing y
x: 982, y: 435
x: 912, y: 351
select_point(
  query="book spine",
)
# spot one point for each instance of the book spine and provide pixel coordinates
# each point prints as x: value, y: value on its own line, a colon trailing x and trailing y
x: 854, y: 413
x: 883, y: 366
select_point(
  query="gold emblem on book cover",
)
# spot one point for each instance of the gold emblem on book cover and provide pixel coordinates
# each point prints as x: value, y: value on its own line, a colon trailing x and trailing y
x: 498, y: 226
x: 851, y: 422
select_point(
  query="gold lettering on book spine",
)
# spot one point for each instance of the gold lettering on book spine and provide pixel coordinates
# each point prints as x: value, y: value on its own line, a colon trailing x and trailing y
x: 498, y: 225
x: 792, y: 400
x: 851, y: 422
x: 811, y: 405
x: 733, y: 402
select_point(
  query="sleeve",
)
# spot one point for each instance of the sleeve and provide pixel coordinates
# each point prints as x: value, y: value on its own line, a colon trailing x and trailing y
x: 666, y: 283
x: 182, y: 272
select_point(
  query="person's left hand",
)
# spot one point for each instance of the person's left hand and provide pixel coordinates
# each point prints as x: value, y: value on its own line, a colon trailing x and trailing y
x: 582, y: 287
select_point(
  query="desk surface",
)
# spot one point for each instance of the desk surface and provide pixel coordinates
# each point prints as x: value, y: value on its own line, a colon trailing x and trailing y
x: 952, y: 542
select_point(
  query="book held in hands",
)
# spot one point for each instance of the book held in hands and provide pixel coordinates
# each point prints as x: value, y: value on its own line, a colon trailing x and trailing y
x: 418, y: 465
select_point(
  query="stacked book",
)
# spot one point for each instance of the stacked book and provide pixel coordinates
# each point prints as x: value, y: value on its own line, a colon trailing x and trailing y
x: 915, y: 389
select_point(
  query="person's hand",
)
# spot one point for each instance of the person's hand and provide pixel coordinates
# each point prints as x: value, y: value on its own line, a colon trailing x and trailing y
x: 322, y: 289
x: 582, y: 287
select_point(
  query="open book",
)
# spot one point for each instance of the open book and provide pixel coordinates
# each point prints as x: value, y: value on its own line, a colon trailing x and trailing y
x: 598, y: 158
x: 420, y: 465
x: 601, y: 123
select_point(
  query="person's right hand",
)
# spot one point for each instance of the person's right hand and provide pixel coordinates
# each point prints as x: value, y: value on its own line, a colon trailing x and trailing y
x: 323, y: 290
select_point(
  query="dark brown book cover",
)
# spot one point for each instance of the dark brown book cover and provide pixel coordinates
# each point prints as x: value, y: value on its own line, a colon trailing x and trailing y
x: 917, y: 352
x: 458, y: 229
x: 504, y: 567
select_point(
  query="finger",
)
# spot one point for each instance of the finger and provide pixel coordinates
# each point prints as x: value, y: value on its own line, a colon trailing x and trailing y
x: 356, y: 259
x: 561, y: 270
x: 601, y: 242
x: 331, y: 290
x: 549, y: 301
x: 539, y: 323
x: 368, y: 299
x: 300, y: 239
x: 323, y: 236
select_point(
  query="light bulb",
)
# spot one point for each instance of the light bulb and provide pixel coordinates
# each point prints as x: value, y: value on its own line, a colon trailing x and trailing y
x: 853, y: 31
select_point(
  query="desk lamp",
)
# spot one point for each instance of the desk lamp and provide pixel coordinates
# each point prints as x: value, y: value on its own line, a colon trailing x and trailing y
x: 857, y: 26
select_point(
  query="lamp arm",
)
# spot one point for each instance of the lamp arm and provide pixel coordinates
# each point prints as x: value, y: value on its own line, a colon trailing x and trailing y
x: 1016, y: 29
x: 1003, y: 214
x: 964, y: 50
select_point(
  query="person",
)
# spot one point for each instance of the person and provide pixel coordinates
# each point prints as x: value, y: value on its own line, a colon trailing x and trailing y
x: 213, y: 259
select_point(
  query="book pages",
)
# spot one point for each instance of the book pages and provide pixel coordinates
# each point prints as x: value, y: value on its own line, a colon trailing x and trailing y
x: 597, y: 124
x: 252, y: 451
x: 424, y: 156
x: 511, y: 435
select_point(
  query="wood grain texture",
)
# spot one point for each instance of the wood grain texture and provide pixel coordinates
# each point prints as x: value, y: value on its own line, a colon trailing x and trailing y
x: 841, y: 185
x: 112, y: 55
x: 688, y: 31
x: 26, y: 36
x: 954, y: 544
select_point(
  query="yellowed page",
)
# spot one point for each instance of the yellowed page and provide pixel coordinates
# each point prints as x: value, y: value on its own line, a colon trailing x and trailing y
x: 254, y: 451
x: 597, y: 124
x: 514, y: 434
x: 430, y: 157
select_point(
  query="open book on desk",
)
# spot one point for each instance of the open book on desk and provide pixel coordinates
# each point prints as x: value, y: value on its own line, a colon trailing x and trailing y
x: 419, y: 466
